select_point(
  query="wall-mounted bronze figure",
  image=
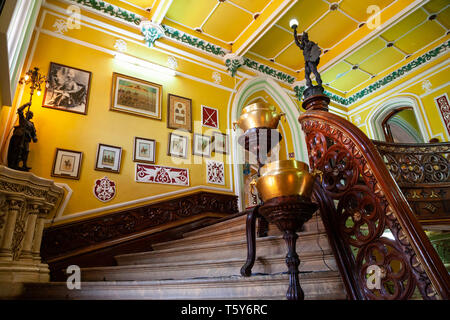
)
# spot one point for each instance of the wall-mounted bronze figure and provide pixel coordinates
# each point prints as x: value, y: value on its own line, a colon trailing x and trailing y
x: 19, y: 145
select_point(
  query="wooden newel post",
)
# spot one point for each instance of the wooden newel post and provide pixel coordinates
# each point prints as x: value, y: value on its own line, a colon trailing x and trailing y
x: 316, y: 102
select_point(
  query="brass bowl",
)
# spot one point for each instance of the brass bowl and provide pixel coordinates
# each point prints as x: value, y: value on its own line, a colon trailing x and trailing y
x: 258, y: 115
x: 285, y: 178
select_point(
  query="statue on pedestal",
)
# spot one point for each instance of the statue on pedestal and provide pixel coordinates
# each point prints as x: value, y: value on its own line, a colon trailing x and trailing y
x: 311, y: 54
x: 23, y: 134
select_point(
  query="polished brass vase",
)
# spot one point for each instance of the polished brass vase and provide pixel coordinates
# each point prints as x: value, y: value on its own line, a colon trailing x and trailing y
x: 285, y: 178
x: 258, y: 115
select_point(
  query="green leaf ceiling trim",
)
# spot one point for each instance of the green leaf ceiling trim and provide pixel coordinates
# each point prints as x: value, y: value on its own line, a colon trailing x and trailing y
x: 193, y: 41
x: 110, y: 9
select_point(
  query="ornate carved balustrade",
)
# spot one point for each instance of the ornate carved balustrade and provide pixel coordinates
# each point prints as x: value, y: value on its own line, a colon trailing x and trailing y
x: 25, y: 203
x: 368, y: 220
x: 422, y: 172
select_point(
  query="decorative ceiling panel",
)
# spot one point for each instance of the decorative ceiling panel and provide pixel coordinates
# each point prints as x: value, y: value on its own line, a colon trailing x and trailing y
x: 382, y: 60
x: 350, y: 80
x: 420, y: 37
x: 338, y: 70
x: 227, y: 22
x: 366, y: 51
x: 357, y: 9
x: 332, y: 29
x: 435, y: 6
x: 254, y: 6
x: 405, y: 25
x: 273, y: 42
x: 144, y: 4
x: 292, y: 57
x: 190, y: 13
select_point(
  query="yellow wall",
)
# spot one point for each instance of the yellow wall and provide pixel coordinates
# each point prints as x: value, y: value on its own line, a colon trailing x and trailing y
x: 67, y: 130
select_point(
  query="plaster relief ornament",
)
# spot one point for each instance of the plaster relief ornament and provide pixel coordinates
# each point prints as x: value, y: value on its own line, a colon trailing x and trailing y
x: 172, y: 62
x: 151, y: 32
x: 426, y: 85
x: 215, y: 172
x: 60, y: 26
x: 216, y: 77
x: 233, y: 62
x: 121, y: 45
x: 104, y: 189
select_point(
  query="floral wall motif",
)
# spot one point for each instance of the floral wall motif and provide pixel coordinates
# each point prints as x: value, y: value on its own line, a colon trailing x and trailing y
x: 163, y: 175
x: 215, y: 172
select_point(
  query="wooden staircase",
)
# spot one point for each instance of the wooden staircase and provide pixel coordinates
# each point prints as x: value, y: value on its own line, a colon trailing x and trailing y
x: 205, y: 264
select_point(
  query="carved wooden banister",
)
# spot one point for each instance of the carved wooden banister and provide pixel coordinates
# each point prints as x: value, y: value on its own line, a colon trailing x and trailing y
x: 422, y: 172
x: 359, y: 201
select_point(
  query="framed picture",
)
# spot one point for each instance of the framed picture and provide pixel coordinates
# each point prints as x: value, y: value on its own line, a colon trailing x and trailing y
x: 178, y: 145
x: 201, y: 145
x: 67, y: 164
x: 136, y: 96
x: 144, y: 150
x: 210, y: 117
x: 179, y: 113
x: 68, y: 89
x: 108, y: 158
x: 220, y: 142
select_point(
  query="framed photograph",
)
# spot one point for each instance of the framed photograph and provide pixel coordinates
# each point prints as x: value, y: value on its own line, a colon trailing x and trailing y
x: 178, y: 145
x: 68, y: 89
x: 179, y: 113
x: 67, y: 164
x: 144, y: 150
x: 201, y: 145
x: 210, y: 117
x: 220, y: 142
x: 136, y: 96
x: 108, y: 158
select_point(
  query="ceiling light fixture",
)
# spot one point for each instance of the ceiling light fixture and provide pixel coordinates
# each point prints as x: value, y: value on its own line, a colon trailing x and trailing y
x: 293, y: 23
x: 144, y: 64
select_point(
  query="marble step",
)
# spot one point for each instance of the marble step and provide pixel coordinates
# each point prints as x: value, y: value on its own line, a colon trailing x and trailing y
x: 316, y: 285
x: 315, y: 223
x: 266, y: 247
x: 310, y: 261
x: 228, y: 233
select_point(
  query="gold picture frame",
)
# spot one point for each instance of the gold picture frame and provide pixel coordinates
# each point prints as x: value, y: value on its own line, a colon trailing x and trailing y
x: 136, y: 96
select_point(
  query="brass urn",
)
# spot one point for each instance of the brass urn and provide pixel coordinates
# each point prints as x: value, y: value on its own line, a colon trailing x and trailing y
x: 258, y: 115
x: 285, y: 178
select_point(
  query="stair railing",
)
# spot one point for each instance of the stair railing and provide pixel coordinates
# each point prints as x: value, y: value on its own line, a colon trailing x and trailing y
x: 422, y: 171
x: 380, y: 248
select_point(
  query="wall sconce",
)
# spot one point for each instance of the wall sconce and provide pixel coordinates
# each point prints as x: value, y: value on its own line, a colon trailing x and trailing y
x: 35, y: 80
x: 145, y: 64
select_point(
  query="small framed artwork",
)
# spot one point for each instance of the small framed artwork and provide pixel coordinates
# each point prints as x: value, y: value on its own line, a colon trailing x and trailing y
x: 144, y: 150
x: 179, y: 113
x: 68, y: 89
x: 220, y: 142
x: 178, y: 145
x: 67, y: 164
x: 210, y: 117
x: 201, y: 145
x: 135, y: 96
x: 108, y: 158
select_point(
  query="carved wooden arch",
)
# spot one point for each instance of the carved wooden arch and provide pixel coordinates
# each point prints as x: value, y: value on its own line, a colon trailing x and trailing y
x: 359, y: 200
